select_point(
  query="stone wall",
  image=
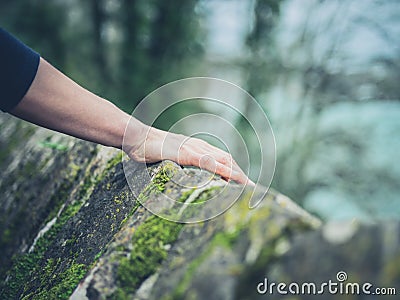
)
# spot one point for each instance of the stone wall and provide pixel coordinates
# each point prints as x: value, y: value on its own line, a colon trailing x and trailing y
x: 71, y: 227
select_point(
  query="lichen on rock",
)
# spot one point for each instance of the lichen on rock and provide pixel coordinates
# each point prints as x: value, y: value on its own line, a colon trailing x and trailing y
x: 72, y: 227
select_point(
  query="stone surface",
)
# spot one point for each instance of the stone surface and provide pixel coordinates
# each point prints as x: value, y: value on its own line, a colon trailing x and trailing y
x: 71, y: 227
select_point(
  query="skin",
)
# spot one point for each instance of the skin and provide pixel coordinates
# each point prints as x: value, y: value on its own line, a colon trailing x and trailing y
x: 56, y: 102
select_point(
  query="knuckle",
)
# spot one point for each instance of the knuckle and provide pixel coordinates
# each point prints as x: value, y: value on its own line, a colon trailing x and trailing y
x: 222, y: 170
x: 227, y: 160
x: 207, y: 160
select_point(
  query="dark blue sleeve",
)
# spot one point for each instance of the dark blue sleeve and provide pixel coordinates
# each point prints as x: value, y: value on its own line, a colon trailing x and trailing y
x: 18, y: 67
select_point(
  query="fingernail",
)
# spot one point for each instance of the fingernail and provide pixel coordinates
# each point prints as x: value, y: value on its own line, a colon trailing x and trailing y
x: 251, y: 183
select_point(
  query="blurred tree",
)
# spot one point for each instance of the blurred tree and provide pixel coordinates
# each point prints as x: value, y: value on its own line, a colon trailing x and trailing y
x: 40, y: 24
x: 262, y: 63
x: 121, y: 49
x: 322, y: 73
x: 159, y: 39
x: 99, y: 19
x: 133, y: 61
x: 260, y: 69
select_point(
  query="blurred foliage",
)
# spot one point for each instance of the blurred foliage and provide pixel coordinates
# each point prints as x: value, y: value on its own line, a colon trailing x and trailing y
x: 120, y: 49
x: 39, y: 24
x: 259, y: 41
x: 327, y: 73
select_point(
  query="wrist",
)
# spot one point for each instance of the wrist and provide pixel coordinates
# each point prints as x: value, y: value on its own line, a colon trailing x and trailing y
x: 135, y: 133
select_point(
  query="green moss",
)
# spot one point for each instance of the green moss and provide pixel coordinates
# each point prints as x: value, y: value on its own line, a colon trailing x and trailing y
x: 191, y: 209
x: 186, y: 195
x: 208, y: 194
x: 236, y: 222
x: 157, y: 185
x: 6, y: 236
x: 163, y: 176
x: 27, y: 267
x: 98, y: 255
x: 227, y: 239
x: 222, y: 239
x: 115, y: 160
x: 148, y: 251
x: 111, y: 163
x: 44, y: 163
x: 63, y: 192
x: 63, y: 284
x: 26, y: 272
x: 20, y: 133
x: 21, y: 270
x: 117, y: 200
x: 29, y: 271
x: 52, y: 145
x: 74, y: 170
x: 184, y: 283
x: 256, y: 270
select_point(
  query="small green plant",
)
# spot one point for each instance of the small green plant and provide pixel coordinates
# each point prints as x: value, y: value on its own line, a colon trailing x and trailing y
x: 52, y: 145
x: 149, y: 249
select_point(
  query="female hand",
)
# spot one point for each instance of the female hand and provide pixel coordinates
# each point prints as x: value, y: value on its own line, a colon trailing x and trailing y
x: 56, y: 102
x: 156, y: 145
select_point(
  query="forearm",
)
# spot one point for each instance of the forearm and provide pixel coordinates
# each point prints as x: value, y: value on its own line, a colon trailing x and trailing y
x: 56, y: 102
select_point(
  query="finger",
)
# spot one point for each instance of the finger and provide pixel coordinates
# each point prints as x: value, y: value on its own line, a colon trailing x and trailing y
x: 205, y: 156
x: 221, y: 156
x: 226, y: 160
x: 207, y: 162
x: 229, y: 174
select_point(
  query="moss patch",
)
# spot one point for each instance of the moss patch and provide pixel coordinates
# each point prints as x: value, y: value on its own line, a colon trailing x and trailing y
x: 28, y: 267
x: 149, y: 249
x: 61, y: 195
x: 21, y: 132
x: 62, y: 285
x: 52, y: 145
x: 185, y: 195
x: 208, y: 194
x: 223, y: 239
x: 23, y: 265
x: 157, y: 185
x: 111, y: 163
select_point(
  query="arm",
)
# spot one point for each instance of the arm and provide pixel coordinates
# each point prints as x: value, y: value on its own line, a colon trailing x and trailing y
x: 56, y: 102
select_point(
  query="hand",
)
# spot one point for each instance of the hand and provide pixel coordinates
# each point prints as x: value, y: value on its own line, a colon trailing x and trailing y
x: 159, y: 145
x: 56, y: 102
